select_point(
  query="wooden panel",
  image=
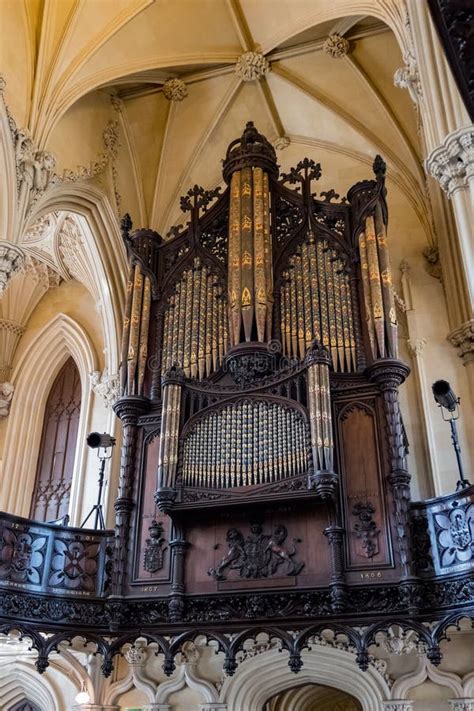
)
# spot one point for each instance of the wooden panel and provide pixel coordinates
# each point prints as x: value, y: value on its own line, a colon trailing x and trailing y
x: 148, y: 514
x: 58, y: 446
x: 305, y: 542
x: 367, y: 539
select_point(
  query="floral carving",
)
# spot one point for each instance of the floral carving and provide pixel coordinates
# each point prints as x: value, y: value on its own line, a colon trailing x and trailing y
x: 252, y: 66
x: 74, y: 565
x: 336, y: 46
x: 455, y: 535
x: 175, y: 90
x: 21, y: 556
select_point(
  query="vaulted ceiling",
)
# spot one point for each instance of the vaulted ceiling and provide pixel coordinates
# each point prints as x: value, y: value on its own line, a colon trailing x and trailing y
x: 77, y: 67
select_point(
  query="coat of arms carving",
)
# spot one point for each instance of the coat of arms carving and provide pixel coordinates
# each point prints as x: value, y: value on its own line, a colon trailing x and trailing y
x: 154, y: 548
x: 260, y: 555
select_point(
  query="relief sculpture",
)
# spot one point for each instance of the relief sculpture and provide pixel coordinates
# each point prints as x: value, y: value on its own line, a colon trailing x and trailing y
x: 260, y: 555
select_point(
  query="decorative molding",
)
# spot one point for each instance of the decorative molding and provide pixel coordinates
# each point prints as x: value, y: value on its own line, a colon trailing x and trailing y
x: 399, y: 641
x: 252, y: 66
x: 11, y: 262
x: 6, y: 396
x: 106, y: 386
x: 336, y: 46
x: 452, y: 163
x: 407, y: 77
x: 175, y: 90
x: 463, y: 338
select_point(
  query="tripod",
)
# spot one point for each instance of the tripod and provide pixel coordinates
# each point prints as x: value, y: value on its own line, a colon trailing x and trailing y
x: 99, y: 522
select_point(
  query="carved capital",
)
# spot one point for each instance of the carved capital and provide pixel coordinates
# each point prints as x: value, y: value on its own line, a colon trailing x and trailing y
x: 416, y: 346
x: 463, y: 339
x: 452, y: 163
x: 175, y: 90
x: 461, y: 704
x: 336, y: 46
x: 11, y: 261
x: 396, y: 705
x: 106, y: 386
x: 252, y: 66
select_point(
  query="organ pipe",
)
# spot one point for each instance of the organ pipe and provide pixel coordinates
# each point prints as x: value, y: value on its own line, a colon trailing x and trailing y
x: 135, y: 333
x: 169, y: 433
x: 319, y: 403
x: 377, y: 287
x: 250, y: 283
x: 248, y: 443
x: 316, y: 303
x: 195, y: 335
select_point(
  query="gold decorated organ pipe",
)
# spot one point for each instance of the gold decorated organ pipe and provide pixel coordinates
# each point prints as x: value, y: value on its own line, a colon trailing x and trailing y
x: 169, y: 429
x: 268, y: 254
x: 201, y: 324
x: 235, y: 277
x: 375, y: 285
x: 188, y: 281
x: 319, y: 404
x: 195, y: 319
x: 300, y: 306
x: 259, y: 275
x: 126, y: 331
x: 209, y: 322
x: 308, y: 316
x: 388, y: 300
x: 246, y: 232
x: 132, y: 358
x: 144, y: 328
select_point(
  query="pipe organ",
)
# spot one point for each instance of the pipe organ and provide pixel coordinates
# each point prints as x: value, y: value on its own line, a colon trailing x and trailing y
x: 263, y: 478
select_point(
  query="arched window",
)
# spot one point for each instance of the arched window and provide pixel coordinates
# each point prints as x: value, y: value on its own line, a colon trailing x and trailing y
x: 58, y: 446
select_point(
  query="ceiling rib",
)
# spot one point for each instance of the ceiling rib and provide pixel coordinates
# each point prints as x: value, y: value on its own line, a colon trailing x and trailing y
x: 240, y: 24
x: 222, y: 110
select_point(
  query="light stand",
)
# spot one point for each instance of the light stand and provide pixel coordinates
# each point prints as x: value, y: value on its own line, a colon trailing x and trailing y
x: 104, y: 444
x: 447, y: 400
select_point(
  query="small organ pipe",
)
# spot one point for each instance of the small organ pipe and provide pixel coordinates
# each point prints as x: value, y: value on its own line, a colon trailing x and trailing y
x: 245, y: 444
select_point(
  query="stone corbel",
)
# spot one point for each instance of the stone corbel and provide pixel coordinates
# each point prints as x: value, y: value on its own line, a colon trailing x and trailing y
x: 6, y: 396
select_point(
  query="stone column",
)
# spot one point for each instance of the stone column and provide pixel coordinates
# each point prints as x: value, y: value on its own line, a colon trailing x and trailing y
x: 416, y: 347
x: 452, y: 164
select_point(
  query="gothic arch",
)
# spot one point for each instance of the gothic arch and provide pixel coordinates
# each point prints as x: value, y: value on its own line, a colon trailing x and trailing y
x: 18, y: 682
x: 105, y: 254
x: 425, y: 670
x: 33, y: 376
x: 261, y: 677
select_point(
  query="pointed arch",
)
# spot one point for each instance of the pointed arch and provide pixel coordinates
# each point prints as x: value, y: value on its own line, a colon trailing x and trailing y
x: 105, y: 252
x: 33, y: 377
x: 262, y: 677
x: 19, y: 683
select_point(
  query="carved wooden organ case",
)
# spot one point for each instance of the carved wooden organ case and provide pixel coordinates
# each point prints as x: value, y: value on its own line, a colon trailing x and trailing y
x: 264, y: 447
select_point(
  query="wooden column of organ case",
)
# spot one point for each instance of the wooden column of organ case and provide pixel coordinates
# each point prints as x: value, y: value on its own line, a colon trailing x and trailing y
x: 264, y: 449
